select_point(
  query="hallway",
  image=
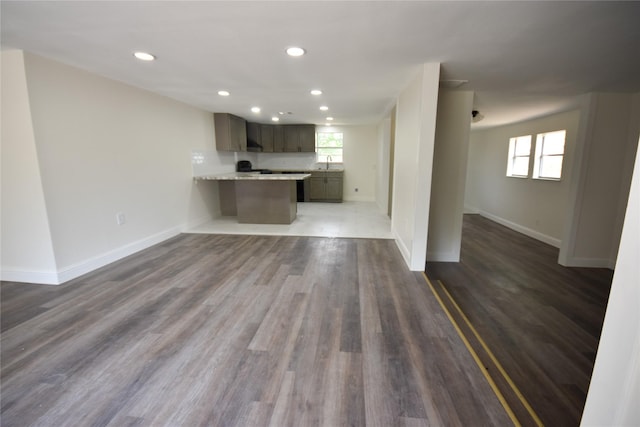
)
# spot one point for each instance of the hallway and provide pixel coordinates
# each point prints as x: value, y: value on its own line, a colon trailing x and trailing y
x: 542, y: 321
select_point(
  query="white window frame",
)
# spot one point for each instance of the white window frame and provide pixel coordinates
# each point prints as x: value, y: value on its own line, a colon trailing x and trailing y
x: 324, y: 158
x: 539, y: 159
x: 511, y: 160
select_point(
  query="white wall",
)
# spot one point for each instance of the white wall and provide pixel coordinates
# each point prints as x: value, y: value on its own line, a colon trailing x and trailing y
x: 534, y: 207
x: 102, y: 148
x: 382, y: 164
x: 27, y: 249
x: 360, y: 160
x: 449, y: 175
x: 413, y: 161
x: 600, y: 185
x: 614, y: 391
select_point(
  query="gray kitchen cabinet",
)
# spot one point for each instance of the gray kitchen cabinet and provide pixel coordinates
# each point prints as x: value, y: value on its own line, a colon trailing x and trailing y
x: 299, y: 138
x: 317, y: 189
x: 272, y: 138
x: 334, y: 186
x: 326, y: 186
x: 291, y: 139
x: 307, y: 138
x: 278, y: 138
x: 231, y: 132
x: 266, y: 138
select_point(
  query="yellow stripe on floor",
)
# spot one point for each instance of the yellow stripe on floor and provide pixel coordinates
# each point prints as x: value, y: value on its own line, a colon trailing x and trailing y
x: 497, y: 364
x: 493, y: 385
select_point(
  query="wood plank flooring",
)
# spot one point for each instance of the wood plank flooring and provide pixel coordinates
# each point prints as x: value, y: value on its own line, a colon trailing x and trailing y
x: 240, y: 331
x: 542, y: 321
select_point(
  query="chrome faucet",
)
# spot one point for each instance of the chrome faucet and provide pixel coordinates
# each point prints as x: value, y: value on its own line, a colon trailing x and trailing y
x: 328, y: 160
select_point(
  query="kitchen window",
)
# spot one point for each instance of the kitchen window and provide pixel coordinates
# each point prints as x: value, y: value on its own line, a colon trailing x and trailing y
x: 329, y: 147
x: 549, y: 155
x: 519, y: 153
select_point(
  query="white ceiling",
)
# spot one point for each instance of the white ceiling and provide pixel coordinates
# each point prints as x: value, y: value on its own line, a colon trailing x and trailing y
x: 523, y: 59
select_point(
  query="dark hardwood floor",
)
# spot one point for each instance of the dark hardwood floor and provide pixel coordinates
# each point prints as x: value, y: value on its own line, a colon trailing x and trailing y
x: 261, y: 330
x: 542, y: 321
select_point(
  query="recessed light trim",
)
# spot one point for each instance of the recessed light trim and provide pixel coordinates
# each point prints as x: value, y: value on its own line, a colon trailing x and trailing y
x: 295, y: 51
x: 144, y: 56
x: 323, y: 108
x: 255, y: 109
x: 316, y: 92
x: 275, y: 119
x: 223, y: 93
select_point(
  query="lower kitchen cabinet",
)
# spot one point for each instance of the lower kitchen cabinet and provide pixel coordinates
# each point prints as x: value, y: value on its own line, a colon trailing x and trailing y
x: 326, y: 186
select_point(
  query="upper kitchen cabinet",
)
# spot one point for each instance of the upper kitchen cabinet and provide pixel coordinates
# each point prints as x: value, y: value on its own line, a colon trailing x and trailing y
x: 231, y: 132
x: 299, y: 138
x: 278, y: 138
x: 272, y: 138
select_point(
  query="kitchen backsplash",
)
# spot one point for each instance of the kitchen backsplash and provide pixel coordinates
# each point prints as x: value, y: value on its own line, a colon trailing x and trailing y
x: 290, y: 161
x: 286, y: 161
x: 211, y: 162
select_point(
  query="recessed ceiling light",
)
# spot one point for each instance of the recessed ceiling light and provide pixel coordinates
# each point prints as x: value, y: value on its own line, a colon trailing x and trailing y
x: 275, y: 119
x: 295, y: 51
x: 144, y: 56
x: 316, y: 92
x: 281, y: 113
x: 323, y: 108
x: 223, y: 93
x: 329, y: 118
x: 255, y: 109
x: 327, y: 124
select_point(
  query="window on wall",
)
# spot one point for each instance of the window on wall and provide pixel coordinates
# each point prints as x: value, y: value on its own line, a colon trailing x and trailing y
x: 329, y: 147
x: 549, y: 155
x: 519, y: 153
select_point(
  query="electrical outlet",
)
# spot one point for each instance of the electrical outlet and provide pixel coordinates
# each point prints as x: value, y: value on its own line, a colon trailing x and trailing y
x: 120, y: 218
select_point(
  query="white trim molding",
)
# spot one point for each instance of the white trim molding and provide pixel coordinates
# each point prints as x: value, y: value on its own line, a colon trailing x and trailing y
x: 73, y: 271
x: 522, y: 229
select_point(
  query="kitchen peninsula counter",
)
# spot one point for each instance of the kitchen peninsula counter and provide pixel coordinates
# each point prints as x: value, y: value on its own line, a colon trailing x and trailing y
x: 257, y: 198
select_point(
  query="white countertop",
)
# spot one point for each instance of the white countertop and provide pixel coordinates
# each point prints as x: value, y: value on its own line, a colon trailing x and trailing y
x: 254, y: 176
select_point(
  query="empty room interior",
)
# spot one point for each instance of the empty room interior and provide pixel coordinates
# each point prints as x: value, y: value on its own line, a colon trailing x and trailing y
x: 301, y: 213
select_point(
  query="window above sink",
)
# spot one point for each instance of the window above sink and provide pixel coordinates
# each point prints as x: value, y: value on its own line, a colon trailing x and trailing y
x: 329, y: 147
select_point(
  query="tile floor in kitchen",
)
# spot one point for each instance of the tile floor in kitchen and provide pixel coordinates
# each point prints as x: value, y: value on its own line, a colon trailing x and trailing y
x: 347, y: 219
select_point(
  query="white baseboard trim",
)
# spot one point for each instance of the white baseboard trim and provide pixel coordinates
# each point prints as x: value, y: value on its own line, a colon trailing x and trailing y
x: 590, y: 263
x: 93, y: 263
x: 404, y: 251
x: 23, y: 276
x: 73, y: 271
x: 522, y: 229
